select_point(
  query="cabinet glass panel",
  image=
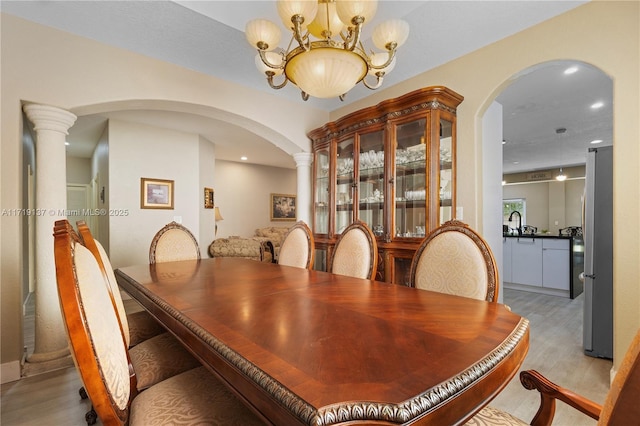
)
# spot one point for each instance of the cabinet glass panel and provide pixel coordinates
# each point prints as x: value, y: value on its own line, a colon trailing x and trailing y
x: 410, y: 179
x: 371, y: 176
x: 446, y: 170
x: 344, y: 184
x: 321, y: 219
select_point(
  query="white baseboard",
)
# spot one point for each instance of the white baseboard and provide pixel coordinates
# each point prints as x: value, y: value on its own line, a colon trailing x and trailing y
x: 10, y: 372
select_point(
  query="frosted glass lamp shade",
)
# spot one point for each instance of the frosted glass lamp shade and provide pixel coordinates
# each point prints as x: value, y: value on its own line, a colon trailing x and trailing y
x: 326, y: 72
x: 290, y: 8
x: 391, y: 31
x: 348, y: 9
x: 319, y: 24
x: 264, y: 31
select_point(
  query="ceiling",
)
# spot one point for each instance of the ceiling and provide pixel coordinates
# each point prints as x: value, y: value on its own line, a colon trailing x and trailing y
x: 196, y: 34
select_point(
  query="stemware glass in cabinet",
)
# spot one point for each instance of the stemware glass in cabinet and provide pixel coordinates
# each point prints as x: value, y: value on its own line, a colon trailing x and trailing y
x: 371, y: 181
x: 321, y: 219
x: 410, y: 167
x: 345, y: 184
x: 446, y: 170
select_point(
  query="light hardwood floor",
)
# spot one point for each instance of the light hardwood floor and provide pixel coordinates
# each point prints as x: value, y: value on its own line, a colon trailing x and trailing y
x: 555, y: 350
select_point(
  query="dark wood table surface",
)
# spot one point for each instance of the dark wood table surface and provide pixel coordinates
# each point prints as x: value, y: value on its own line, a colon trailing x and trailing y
x: 314, y: 348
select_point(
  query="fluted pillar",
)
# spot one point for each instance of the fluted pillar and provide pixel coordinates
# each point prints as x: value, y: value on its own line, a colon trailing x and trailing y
x: 303, y: 166
x: 51, y: 125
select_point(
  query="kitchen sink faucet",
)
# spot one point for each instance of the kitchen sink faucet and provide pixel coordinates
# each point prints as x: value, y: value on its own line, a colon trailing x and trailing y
x: 519, y: 220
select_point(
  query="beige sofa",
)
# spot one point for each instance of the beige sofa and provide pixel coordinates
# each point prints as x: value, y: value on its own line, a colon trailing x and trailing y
x: 263, y: 246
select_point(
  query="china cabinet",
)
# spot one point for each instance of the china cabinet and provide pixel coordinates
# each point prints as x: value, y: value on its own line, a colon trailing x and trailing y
x: 392, y: 166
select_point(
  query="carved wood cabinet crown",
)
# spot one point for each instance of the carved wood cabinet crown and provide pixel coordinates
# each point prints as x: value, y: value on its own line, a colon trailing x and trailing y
x: 392, y: 166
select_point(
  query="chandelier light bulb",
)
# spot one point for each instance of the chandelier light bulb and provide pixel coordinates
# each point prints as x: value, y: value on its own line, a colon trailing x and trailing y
x: 290, y: 8
x: 326, y: 22
x: 262, y: 34
x: 349, y: 9
x: 391, y: 31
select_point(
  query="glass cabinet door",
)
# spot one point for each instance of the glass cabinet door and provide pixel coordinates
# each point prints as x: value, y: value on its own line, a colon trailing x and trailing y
x: 410, y: 179
x: 345, y: 184
x: 371, y: 181
x: 446, y: 171
x: 321, y: 202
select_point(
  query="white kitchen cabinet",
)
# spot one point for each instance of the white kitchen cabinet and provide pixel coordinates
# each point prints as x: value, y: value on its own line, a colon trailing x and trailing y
x: 526, y: 261
x: 506, y: 260
x: 556, y: 264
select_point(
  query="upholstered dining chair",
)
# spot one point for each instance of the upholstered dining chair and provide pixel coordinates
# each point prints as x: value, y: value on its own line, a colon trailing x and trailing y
x: 455, y: 259
x: 297, y: 248
x: 172, y: 243
x: 356, y: 252
x: 102, y: 358
x: 137, y: 326
x: 620, y: 405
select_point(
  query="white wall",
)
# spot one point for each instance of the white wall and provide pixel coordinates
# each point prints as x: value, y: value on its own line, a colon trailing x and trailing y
x: 243, y: 191
x: 206, y: 157
x: 78, y: 170
x: 137, y: 151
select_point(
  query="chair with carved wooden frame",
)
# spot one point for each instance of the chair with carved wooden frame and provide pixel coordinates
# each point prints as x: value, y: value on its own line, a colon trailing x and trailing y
x: 297, y: 248
x: 455, y: 259
x: 172, y: 243
x: 102, y: 358
x: 155, y: 353
x: 620, y: 406
x: 356, y: 252
x: 137, y: 326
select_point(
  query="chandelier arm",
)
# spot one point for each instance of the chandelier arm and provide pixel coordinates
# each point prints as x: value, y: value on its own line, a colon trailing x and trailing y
x: 297, y: 21
x: 379, y: 76
x: 392, y: 54
x: 353, y: 33
x: 270, y: 75
x: 263, y: 58
x: 305, y: 95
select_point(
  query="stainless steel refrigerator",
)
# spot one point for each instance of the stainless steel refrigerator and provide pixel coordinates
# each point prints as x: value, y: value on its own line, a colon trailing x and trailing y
x: 598, y: 256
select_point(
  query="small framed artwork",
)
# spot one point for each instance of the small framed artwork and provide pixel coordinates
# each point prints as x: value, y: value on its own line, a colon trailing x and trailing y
x: 283, y: 207
x: 156, y: 194
x: 208, y: 198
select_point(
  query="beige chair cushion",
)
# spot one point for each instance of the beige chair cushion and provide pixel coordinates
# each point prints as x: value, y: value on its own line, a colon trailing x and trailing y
x: 439, y: 268
x: 490, y: 416
x: 352, y: 255
x: 295, y: 249
x: 191, y: 398
x: 174, y: 245
x: 159, y: 358
x: 103, y: 325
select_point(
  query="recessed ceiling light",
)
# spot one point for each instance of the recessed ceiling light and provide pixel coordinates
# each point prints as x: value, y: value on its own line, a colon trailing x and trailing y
x: 597, y: 105
x: 66, y: 143
x: 504, y: 142
x: 516, y: 162
x: 596, y: 141
x: 571, y: 70
x: 243, y: 158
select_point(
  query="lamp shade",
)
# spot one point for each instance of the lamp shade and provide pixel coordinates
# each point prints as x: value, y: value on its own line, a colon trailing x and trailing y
x: 289, y: 8
x: 218, y: 215
x: 264, y: 31
x: 326, y: 72
x: 326, y: 19
x: 379, y: 59
x: 348, y: 9
x: 391, y: 31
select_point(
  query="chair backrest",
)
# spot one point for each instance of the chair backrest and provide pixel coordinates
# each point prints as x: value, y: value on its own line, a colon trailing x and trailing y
x: 93, y: 329
x: 621, y: 404
x: 455, y: 259
x: 173, y: 242
x: 356, y: 252
x: 104, y: 263
x: 297, y: 247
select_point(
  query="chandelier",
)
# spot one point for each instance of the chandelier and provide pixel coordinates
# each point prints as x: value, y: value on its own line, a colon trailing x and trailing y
x: 325, y: 57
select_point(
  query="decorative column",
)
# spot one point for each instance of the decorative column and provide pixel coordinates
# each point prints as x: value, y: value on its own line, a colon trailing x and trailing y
x: 51, y: 125
x: 303, y: 165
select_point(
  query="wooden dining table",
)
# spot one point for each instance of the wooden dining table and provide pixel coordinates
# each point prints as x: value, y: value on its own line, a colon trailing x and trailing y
x: 315, y: 348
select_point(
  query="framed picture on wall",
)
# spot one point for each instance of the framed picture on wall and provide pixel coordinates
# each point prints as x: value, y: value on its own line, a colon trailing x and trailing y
x: 156, y: 194
x: 208, y: 198
x: 283, y: 207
